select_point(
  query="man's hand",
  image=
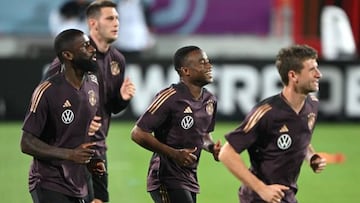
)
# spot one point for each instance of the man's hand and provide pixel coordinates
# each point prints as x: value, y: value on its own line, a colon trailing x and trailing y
x: 317, y: 163
x: 216, y: 150
x: 184, y: 157
x: 82, y: 154
x: 94, y: 125
x: 97, y: 166
x: 127, y: 90
x: 272, y: 193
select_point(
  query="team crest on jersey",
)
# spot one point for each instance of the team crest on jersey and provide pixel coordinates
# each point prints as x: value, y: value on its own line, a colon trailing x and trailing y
x: 92, y: 97
x: 93, y: 78
x: 210, y: 107
x: 114, y: 67
x: 284, y: 141
x: 67, y: 116
x: 311, y: 120
x: 187, y: 122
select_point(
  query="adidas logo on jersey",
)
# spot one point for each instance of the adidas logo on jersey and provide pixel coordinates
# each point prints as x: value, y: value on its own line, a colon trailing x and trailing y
x: 66, y: 104
x: 188, y: 110
x: 284, y: 129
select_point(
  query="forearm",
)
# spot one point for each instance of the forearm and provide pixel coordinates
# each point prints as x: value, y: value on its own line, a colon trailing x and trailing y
x: 118, y: 104
x: 35, y: 147
x: 237, y: 167
x: 310, y: 152
x: 208, y: 143
x: 149, y: 142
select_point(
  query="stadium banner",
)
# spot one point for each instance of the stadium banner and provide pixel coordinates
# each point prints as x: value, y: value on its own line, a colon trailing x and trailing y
x: 238, y: 84
x: 207, y: 16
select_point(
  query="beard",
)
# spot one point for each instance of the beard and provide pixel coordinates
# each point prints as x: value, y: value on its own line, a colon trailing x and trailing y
x: 85, y: 64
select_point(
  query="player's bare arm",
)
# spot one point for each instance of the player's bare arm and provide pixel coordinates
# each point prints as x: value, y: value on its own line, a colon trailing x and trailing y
x: 212, y: 147
x: 235, y: 164
x: 183, y: 157
x: 33, y: 146
x: 317, y: 163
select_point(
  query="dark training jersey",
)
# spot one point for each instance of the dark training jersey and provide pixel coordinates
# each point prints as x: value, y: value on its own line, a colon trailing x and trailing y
x: 179, y: 121
x: 111, y: 74
x: 277, y: 140
x: 60, y: 116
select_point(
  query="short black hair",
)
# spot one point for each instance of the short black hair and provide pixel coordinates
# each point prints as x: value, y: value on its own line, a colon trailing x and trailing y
x: 64, y: 41
x: 180, y: 56
x: 93, y: 10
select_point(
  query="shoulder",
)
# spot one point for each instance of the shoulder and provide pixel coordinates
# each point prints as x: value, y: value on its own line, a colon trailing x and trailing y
x: 313, y: 101
x: 40, y: 92
x: 259, y: 113
x: 256, y: 115
x: 162, y: 98
x: 209, y: 95
x: 92, y: 78
x: 116, y: 55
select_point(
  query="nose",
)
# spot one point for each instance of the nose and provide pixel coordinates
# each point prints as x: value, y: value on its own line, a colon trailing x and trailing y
x: 91, y: 49
x: 319, y: 74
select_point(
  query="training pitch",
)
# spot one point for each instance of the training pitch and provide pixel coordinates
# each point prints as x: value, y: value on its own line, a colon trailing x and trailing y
x: 128, y: 165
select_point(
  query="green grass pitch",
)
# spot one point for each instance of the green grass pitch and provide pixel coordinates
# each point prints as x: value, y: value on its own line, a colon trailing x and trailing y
x: 128, y: 165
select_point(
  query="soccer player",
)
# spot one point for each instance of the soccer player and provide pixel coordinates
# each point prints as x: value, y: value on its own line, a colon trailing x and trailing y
x: 116, y: 91
x: 277, y: 133
x: 55, y: 129
x: 176, y: 127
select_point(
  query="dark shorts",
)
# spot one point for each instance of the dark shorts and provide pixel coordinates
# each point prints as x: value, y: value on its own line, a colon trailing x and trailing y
x: 246, y: 195
x: 98, y: 186
x: 41, y: 195
x: 163, y: 195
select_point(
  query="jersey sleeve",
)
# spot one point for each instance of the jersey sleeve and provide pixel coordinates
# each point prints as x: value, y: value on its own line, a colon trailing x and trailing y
x: 117, y: 103
x: 248, y: 131
x: 157, y: 112
x: 37, y: 112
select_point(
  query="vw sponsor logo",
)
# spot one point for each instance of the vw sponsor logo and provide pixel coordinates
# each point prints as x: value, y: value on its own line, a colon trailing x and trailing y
x: 67, y: 116
x: 284, y: 142
x: 187, y: 122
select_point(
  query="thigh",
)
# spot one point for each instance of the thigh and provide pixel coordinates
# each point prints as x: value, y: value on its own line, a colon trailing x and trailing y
x: 163, y: 195
x: 41, y: 195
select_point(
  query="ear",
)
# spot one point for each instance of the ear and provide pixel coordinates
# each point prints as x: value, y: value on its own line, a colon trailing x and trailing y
x: 91, y: 22
x: 184, y: 70
x: 67, y: 55
x: 293, y: 76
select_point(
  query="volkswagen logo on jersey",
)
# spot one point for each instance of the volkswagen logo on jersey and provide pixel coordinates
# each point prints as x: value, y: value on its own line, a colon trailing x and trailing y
x: 67, y: 116
x: 284, y: 141
x: 187, y: 122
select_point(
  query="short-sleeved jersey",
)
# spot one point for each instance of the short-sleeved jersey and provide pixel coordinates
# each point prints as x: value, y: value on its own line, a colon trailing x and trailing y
x: 277, y: 139
x: 111, y: 74
x: 180, y: 121
x: 60, y: 116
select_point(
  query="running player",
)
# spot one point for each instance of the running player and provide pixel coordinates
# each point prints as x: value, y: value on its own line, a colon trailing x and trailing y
x: 55, y: 129
x: 176, y: 127
x: 277, y: 133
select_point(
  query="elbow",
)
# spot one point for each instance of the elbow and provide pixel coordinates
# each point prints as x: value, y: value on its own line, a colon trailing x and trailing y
x: 24, y: 147
x: 135, y: 135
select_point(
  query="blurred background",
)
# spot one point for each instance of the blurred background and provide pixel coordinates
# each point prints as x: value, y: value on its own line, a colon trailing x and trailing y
x: 240, y: 37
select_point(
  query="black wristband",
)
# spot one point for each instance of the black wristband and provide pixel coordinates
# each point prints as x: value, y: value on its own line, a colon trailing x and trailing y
x: 211, y: 147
